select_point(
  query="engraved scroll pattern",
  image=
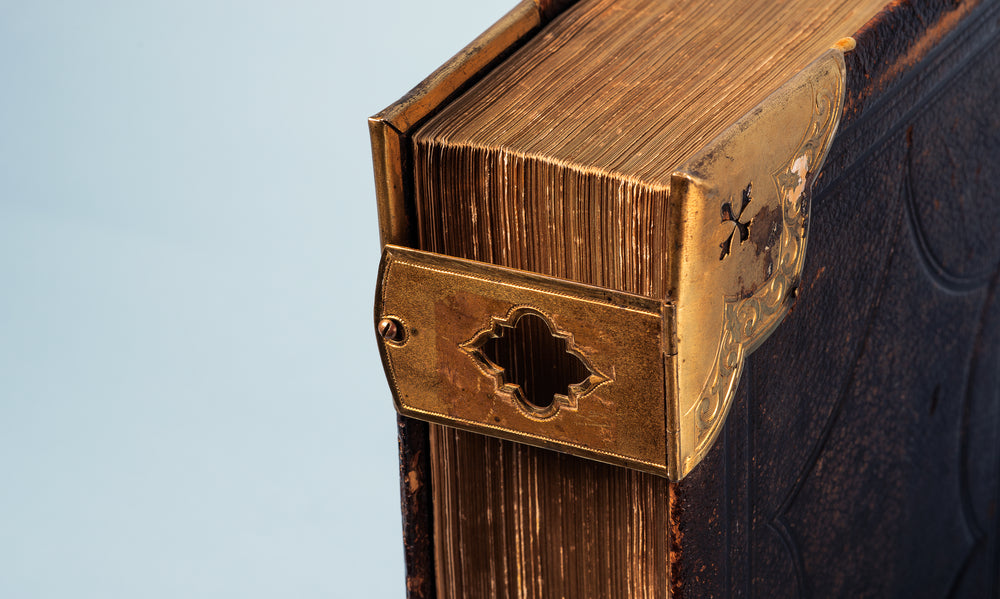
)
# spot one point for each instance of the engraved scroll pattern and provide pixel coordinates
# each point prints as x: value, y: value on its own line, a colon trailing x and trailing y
x: 748, y: 321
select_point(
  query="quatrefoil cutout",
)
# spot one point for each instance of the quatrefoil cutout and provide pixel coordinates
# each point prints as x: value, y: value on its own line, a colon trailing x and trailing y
x: 534, y: 363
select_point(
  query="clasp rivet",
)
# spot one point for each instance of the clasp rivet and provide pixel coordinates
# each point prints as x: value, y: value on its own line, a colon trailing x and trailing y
x: 390, y: 329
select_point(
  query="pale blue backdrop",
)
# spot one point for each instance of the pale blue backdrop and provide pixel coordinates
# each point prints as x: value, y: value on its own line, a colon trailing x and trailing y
x: 191, y: 403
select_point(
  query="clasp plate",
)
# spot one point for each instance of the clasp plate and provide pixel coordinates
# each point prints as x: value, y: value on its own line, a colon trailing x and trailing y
x: 527, y: 357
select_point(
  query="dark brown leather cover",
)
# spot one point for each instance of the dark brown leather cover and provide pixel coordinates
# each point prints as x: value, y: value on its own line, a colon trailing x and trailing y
x: 861, y: 457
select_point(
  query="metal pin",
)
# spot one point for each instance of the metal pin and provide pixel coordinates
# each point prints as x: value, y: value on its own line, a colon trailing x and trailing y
x: 390, y: 329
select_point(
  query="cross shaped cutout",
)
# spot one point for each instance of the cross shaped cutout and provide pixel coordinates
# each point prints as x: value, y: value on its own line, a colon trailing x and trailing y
x: 743, y: 228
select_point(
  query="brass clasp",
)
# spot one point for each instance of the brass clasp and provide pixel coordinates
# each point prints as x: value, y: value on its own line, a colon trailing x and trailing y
x: 527, y: 357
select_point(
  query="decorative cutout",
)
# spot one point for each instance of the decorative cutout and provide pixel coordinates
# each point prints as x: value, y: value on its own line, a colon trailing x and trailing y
x: 533, y: 362
x: 743, y: 228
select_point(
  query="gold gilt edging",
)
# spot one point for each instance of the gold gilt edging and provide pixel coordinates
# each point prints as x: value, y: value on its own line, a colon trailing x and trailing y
x: 747, y: 322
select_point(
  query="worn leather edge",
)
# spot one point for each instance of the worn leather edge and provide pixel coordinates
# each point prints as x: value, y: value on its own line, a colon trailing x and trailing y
x: 417, y: 507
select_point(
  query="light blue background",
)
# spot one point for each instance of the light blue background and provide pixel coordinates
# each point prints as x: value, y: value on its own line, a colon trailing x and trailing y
x: 191, y: 403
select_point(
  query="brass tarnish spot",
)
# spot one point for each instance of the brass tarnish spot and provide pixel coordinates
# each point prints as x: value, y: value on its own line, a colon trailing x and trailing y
x: 530, y: 361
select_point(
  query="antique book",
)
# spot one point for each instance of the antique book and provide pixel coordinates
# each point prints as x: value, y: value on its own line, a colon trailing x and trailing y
x: 697, y: 299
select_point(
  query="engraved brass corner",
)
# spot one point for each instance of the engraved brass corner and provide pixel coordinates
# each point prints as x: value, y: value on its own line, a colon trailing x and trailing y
x: 635, y: 381
x: 742, y: 226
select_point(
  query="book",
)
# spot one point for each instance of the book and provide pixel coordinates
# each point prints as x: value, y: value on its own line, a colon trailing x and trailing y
x: 631, y: 186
